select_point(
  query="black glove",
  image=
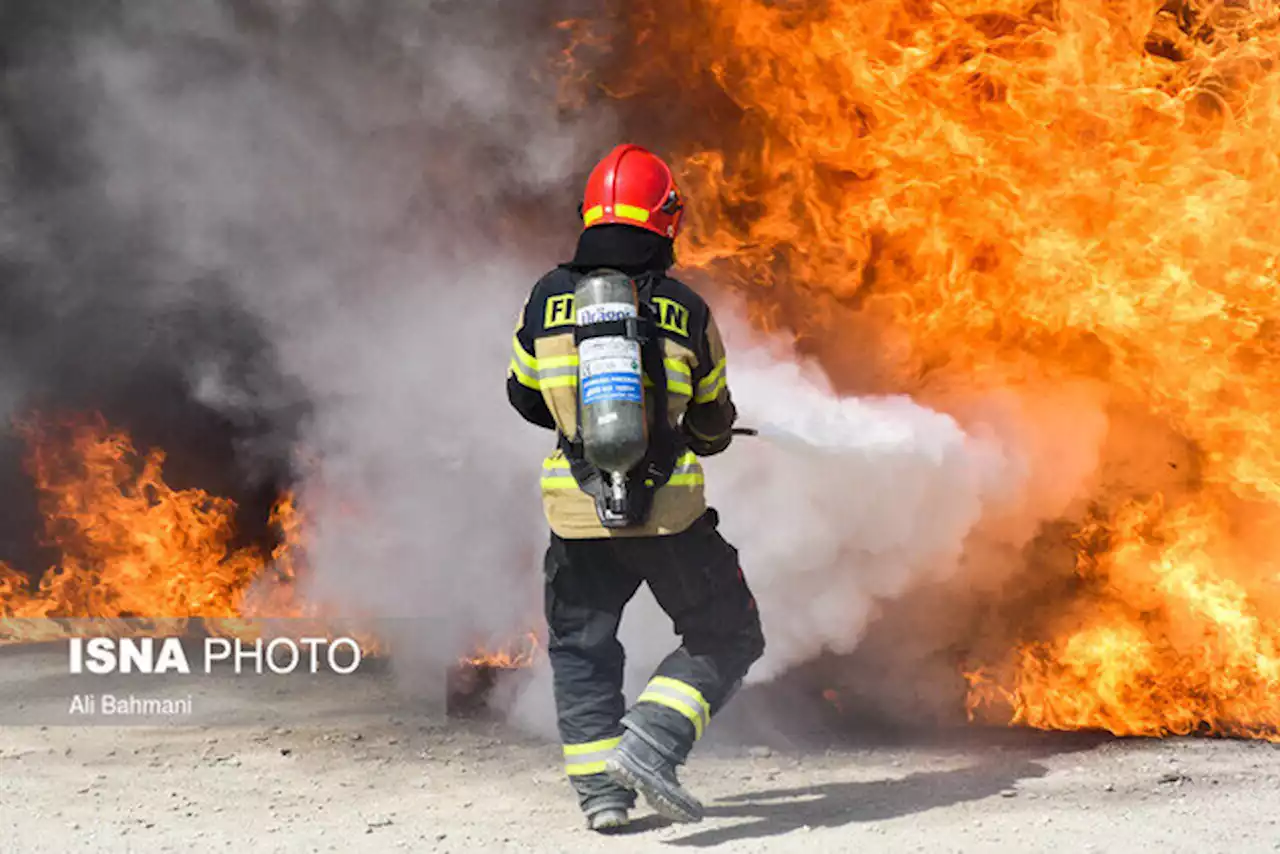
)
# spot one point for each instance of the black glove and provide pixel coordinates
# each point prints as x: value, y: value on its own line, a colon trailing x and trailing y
x: 705, y: 447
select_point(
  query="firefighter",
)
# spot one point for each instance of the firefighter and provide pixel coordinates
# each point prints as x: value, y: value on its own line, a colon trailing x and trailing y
x: 631, y: 213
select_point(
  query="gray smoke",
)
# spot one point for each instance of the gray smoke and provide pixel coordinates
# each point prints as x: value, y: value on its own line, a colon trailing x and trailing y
x: 360, y: 188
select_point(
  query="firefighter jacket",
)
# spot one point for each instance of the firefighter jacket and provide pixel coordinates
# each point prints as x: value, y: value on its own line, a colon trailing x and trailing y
x: 542, y: 384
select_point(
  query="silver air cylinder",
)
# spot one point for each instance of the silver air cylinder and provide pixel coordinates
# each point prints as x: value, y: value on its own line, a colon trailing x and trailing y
x: 615, y: 433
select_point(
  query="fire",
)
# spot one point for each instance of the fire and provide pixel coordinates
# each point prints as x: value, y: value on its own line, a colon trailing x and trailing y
x: 995, y: 193
x: 133, y: 546
x: 513, y: 656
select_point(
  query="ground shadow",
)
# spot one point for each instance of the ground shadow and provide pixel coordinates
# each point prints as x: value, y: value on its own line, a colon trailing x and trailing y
x: 829, y: 805
x: 643, y: 824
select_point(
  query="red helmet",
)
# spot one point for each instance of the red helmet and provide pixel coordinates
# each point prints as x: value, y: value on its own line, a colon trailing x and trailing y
x: 633, y: 186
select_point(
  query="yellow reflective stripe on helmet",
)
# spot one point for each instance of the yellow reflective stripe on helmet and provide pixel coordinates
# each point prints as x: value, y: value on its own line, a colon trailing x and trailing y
x: 710, y: 385
x: 592, y: 215
x: 681, y: 697
x: 631, y: 212
x: 588, y: 758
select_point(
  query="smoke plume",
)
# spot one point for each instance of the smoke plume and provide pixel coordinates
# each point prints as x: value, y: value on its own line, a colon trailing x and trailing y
x: 287, y: 241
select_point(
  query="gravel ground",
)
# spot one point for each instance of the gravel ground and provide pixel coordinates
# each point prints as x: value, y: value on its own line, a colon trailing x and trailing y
x: 341, y: 777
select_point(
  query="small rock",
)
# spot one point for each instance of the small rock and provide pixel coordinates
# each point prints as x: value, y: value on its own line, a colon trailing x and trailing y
x: 355, y: 736
x: 1008, y: 793
x: 1173, y: 777
x: 286, y: 751
x: 1110, y: 787
x: 759, y: 752
x: 378, y: 822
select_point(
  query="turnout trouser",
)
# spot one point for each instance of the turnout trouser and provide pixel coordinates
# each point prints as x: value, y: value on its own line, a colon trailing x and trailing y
x: 696, y: 579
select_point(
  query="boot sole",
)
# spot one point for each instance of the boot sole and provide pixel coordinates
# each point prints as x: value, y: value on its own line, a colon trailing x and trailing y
x: 656, y: 797
x: 610, y: 824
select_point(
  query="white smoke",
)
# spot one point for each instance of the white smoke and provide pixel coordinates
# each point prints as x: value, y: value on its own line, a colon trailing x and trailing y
x: 843, y: 503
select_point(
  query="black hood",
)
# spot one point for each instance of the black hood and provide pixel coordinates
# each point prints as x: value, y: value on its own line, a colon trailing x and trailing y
x: 624, y: 248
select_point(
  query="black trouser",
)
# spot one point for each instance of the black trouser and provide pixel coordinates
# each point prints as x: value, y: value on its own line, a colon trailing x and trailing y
x: 696, y: 579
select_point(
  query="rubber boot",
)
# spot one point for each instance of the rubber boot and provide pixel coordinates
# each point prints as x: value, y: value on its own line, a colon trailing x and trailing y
x: 642, y: 765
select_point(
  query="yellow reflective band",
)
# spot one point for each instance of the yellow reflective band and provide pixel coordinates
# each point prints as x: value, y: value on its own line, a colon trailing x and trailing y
x: 681, y: 697
x: 559, y: 382
x: 525, y: 359
x: 589, y: 758
x: 680, y: 388
x: 548, y: 362
x: 583, y: 769
x: 592, y: 746
x: 708, y: 395
x: 556, y: 474
x: 710, y: 385
x: 592, y: 215
x: 631, y: 212
x: 516, y: 371
x: 683, y: 688
x: 677, y: 365
x: 675, y: 705
x: 691, y: 479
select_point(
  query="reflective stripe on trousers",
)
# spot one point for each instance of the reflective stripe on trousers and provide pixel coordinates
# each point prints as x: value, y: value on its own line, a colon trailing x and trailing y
x: 681, y: 697
x: 583, y: 759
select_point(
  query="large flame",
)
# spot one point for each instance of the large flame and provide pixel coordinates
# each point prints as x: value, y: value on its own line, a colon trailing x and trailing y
x: 1008, y: 191
x: 133, y: 546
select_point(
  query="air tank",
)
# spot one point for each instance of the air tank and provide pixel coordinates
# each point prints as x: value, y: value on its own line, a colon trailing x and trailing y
x: 614, y: 430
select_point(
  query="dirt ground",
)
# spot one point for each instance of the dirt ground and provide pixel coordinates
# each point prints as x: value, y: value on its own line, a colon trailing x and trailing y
x: 362, y: 770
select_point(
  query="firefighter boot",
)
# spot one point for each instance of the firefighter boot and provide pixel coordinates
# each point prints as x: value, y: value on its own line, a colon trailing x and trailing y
x: 610, y: 819
x: 641, y: 764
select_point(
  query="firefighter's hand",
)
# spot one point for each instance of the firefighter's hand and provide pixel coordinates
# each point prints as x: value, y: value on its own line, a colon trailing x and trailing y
x: 704, y: 447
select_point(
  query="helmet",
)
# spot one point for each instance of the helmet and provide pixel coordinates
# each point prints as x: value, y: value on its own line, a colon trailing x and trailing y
x: 633, y: 186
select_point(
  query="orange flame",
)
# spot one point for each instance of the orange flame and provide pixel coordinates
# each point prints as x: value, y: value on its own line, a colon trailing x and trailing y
x: 1006, y: 192
x: 515, y: 656
x: 131, y: 545
x: 134, y: 547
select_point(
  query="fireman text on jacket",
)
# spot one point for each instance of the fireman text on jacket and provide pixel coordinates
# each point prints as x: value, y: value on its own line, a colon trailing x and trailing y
x: 559, y: 311
x: 672, y: 316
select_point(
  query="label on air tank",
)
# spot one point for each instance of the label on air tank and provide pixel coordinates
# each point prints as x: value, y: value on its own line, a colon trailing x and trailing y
x: 609, y: 371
